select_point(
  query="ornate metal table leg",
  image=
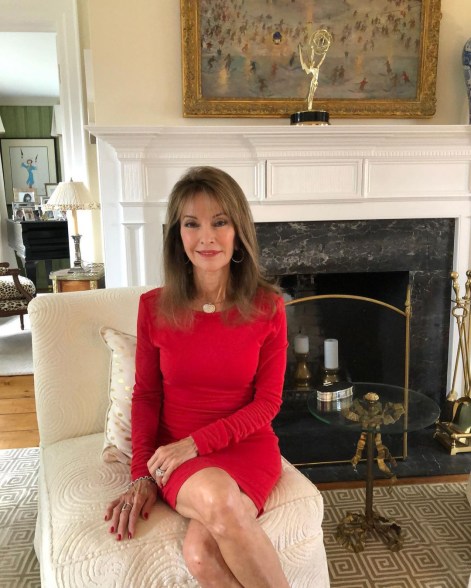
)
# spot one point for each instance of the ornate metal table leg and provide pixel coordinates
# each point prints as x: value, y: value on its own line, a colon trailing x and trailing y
x: 369, y: 480
x: 353, y: 530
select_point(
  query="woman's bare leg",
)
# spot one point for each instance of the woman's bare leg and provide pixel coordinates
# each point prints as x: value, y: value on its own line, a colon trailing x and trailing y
x: 204, y: 560
x: 213, y: 498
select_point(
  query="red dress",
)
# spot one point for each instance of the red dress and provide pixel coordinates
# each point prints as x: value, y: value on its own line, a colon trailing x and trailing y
x: 219, y: 382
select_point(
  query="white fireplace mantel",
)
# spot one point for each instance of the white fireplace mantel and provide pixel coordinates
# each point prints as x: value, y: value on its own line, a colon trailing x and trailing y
x: 288, y: 174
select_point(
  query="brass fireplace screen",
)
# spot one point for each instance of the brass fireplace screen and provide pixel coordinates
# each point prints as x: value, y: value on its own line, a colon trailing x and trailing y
x: 302, y: 314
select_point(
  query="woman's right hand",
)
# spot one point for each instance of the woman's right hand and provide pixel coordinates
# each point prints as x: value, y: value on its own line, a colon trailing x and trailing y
x: 124, y: 512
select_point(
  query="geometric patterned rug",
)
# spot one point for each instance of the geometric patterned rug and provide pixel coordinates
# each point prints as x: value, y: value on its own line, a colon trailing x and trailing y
x: 19, y: 567
x: 435, y: 521
x: 436, y: 526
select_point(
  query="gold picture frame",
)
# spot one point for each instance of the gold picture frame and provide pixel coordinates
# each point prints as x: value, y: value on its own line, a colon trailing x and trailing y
x: 402, y: 70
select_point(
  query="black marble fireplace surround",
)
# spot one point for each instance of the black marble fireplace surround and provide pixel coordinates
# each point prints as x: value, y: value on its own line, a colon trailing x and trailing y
x: 421, y: 249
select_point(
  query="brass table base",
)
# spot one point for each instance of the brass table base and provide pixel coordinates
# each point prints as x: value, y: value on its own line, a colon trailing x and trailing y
x: 354, y: 529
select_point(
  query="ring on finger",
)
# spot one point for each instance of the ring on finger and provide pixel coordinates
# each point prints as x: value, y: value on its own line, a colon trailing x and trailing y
x: 126, y: 506
x: 159, y: 472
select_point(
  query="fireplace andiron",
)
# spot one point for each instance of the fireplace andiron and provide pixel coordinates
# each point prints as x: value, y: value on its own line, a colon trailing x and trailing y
x: 455, y: 434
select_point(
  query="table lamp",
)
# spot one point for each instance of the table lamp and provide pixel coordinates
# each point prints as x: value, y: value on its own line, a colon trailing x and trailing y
x: 72, y: 196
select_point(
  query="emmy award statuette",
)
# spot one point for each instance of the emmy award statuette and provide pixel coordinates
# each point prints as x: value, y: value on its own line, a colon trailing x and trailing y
x: 319, y: 44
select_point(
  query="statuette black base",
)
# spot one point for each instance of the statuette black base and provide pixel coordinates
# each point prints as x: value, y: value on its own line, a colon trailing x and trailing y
x: 310, y: 117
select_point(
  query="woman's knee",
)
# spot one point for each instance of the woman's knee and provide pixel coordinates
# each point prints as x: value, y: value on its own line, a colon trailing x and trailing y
x: 223, y: 512
x: 199, y: 554
x: 214, y: 499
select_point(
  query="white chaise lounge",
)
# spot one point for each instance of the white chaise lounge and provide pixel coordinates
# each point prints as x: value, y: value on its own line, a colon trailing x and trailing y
x: 71, y: 373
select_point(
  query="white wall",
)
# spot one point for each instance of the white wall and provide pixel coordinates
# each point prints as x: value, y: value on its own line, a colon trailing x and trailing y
x: 137, y: 65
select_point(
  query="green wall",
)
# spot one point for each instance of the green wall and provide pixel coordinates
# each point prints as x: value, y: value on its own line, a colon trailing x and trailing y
x: 26, y: 122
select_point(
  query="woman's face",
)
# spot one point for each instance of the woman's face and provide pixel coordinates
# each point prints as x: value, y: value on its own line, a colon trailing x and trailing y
x: 207, y: 233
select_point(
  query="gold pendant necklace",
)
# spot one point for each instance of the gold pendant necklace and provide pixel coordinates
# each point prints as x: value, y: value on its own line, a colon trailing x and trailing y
x: 210, y: 307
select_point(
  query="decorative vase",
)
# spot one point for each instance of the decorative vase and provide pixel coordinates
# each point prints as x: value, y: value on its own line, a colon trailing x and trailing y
x: 467, y: 71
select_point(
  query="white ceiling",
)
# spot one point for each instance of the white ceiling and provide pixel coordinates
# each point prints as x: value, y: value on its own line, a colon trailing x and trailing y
x: 28, y: 69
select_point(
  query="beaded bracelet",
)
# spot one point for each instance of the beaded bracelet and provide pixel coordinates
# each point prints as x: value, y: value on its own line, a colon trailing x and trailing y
x: 131, y: 484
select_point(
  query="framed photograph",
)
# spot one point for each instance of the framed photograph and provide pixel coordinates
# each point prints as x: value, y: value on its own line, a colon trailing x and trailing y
x: 28, y: 164
x: 23, y: 211
x: 24, y: 196
x: 29, y: 214
x: 45, y: 214
x: 18, y: 211
x: 242, y: 59
x: 50, y: 189
x: 59, y: 215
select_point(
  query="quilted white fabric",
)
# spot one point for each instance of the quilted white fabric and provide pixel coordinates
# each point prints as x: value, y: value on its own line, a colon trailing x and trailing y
x: 72, y: 543
x: 76, y: 485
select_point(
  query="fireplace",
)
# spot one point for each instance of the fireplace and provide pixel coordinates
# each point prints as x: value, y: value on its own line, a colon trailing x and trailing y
x: 357, y: 199
x: 377, y: 259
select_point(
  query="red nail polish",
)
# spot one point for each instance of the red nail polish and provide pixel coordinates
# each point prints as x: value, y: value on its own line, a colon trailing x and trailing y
x: 146, y: 515
x: 119, y: 537
x: 129, y: 536
x: 111, y: 529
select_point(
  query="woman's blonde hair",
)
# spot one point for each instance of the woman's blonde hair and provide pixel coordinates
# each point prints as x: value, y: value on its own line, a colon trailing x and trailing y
x: 246, y: 279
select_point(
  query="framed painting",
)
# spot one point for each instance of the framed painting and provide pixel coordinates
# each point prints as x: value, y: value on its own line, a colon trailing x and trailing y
x: 241, y: 58
x: 28, y: 164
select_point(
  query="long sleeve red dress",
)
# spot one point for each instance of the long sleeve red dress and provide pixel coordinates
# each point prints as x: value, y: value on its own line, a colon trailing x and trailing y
x: 220, y: 382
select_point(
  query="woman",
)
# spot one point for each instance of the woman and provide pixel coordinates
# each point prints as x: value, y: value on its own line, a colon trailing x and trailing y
x: 210, y: 362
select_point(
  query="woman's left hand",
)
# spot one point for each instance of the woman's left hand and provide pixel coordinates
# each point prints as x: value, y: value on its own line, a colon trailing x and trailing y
x: 168, y: 457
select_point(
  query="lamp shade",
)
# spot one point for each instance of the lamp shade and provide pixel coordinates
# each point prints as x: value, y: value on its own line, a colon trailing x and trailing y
x: 2, y: 128
x: 71, y: 196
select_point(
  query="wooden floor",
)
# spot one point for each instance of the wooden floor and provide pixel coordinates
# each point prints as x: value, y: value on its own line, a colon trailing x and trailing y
x: 18, y: 424
x: 19, y: 428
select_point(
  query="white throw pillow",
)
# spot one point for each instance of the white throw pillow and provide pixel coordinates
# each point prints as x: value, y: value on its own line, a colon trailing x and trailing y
x: 117, y: 446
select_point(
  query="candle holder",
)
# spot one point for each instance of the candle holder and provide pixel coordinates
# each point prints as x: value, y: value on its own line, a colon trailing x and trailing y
x: 302, y: 374
x: 78, y: 267
x: 330, y: 376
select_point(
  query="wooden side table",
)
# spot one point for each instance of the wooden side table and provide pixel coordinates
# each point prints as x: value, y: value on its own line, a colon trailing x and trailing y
x: 67, y: 281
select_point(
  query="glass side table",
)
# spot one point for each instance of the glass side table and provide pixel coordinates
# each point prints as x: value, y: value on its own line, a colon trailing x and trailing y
x: 373, y: 409
x: 77, y: 281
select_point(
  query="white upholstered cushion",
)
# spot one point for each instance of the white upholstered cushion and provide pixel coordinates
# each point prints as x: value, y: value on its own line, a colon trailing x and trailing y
x: 77, y: 550
x: 117, y: 443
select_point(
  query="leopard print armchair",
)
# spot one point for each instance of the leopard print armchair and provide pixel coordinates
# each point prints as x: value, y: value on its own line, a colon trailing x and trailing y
x: 15, y: 292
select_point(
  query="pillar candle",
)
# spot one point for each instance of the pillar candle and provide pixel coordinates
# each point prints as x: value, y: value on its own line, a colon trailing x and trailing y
x: 331, y: 354
x: 301, y: 344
